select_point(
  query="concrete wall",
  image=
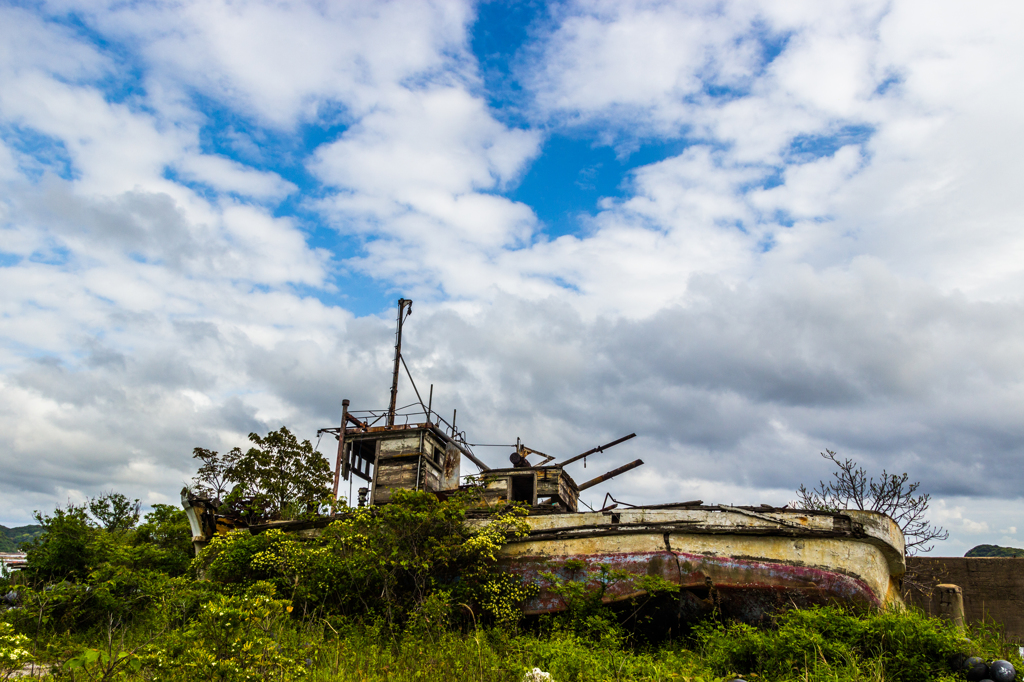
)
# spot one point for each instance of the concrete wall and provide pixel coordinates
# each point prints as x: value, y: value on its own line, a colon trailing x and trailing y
x: 993, y: 588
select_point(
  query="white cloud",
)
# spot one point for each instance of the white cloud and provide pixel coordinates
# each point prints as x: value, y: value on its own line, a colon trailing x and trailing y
x: 230, y: 176
x: 430, y: 152
x: 930, y: 193
x: 832, y: 261
x: 955, y: 516
x: 134, y: 294
x: 29, y: 43
x: 8, y: 164
x: 285, y: 59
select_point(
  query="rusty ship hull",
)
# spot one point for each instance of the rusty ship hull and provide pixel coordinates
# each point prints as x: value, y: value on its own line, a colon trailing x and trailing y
x: 742, y: 562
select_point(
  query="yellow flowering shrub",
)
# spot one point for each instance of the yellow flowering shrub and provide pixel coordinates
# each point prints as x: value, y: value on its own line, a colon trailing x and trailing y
x: 14, y: 652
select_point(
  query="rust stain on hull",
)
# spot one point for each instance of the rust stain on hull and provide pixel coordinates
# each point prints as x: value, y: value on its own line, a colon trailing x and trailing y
x: 736, y: 580
x: 744, y: 563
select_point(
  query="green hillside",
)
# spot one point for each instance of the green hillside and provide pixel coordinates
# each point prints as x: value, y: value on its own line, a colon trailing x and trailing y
x: 994, y: 550
x: 11, y: 538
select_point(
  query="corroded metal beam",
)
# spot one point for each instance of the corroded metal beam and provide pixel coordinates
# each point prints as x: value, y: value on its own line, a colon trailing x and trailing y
x: 599, y: 448
x: 611, y: 474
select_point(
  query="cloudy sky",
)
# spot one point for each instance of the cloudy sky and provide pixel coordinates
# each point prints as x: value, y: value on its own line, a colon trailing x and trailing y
x: 747, y: 231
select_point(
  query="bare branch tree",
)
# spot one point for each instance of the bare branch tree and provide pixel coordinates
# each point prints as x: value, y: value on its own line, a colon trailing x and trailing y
x: 892, y: 494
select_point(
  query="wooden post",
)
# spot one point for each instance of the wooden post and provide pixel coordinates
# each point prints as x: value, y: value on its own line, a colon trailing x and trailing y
x: 342, y: 460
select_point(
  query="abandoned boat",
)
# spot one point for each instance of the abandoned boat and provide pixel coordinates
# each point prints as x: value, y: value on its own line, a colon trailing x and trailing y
x: 741, y: 561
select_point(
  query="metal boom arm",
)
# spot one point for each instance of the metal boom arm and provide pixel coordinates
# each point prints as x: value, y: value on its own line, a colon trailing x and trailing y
x: 599, y: 448
x: 611, y: 474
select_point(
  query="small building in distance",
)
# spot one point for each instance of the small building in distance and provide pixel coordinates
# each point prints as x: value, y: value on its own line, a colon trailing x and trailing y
x: 11, y: 561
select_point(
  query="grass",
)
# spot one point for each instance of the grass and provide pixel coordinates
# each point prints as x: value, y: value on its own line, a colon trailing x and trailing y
x: 815, y: 645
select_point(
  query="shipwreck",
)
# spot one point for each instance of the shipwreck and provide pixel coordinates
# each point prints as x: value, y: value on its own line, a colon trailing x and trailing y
x: 744, y: 561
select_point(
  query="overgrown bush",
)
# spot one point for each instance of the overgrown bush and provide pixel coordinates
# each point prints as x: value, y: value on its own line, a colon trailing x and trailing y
x: 73, y: 544
x: 901, y: 644
x: 386, y: 561
x: 163, y: 541
x: 233, y: 639
x: 70, y: 547
x: 80, y: 574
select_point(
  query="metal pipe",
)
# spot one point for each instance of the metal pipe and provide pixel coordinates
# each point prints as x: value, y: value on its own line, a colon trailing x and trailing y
x: 356, y: 422
x: 611, y: 474
x: 599, y: 448
x: 341, y: 450
x: 430, y: 403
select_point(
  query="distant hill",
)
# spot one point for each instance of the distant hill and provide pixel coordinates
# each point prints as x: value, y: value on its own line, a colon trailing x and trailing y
x: 994, y: 550
x: 11, y: 538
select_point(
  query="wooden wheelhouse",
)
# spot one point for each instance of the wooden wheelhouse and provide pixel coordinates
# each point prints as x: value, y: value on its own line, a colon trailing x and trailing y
x: 406, y: 457
x: 545, y: 488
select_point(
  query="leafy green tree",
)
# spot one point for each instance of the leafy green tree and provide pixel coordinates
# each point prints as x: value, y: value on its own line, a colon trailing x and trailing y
x: 80, y: 573
x: 211, y: 480
x: 69, y: 547
x: 114, y: 511
x: 279, y: 476
x: 73, y: 545
x: 994, y: 550
x: 165, y: 537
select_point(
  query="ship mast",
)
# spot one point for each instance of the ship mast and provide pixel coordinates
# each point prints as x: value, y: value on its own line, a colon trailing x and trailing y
x: 404, y: 305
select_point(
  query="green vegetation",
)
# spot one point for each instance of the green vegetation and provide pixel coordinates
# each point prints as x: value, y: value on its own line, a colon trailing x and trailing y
x: 994, y: 550
x: 279, y: 477
x: 406, y: 591
x: 11, y: 538
x: 401, y: 592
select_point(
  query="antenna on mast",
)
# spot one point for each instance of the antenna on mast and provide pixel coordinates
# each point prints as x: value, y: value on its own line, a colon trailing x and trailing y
x: 404, y: 305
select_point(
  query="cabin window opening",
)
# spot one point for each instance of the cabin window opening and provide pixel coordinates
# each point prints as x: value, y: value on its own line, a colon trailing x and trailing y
x: 522, y: 489
x: 615, y: 518
x: 363, y: 454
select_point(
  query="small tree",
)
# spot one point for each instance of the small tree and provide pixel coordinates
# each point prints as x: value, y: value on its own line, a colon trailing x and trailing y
x: 892, y: 495
x: 210, y: 480
x: 69, y: 547
x: 279, y: 476
x: 114, y: 511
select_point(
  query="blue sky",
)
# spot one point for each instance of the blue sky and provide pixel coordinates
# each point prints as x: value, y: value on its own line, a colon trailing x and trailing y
x: 747, y: 231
